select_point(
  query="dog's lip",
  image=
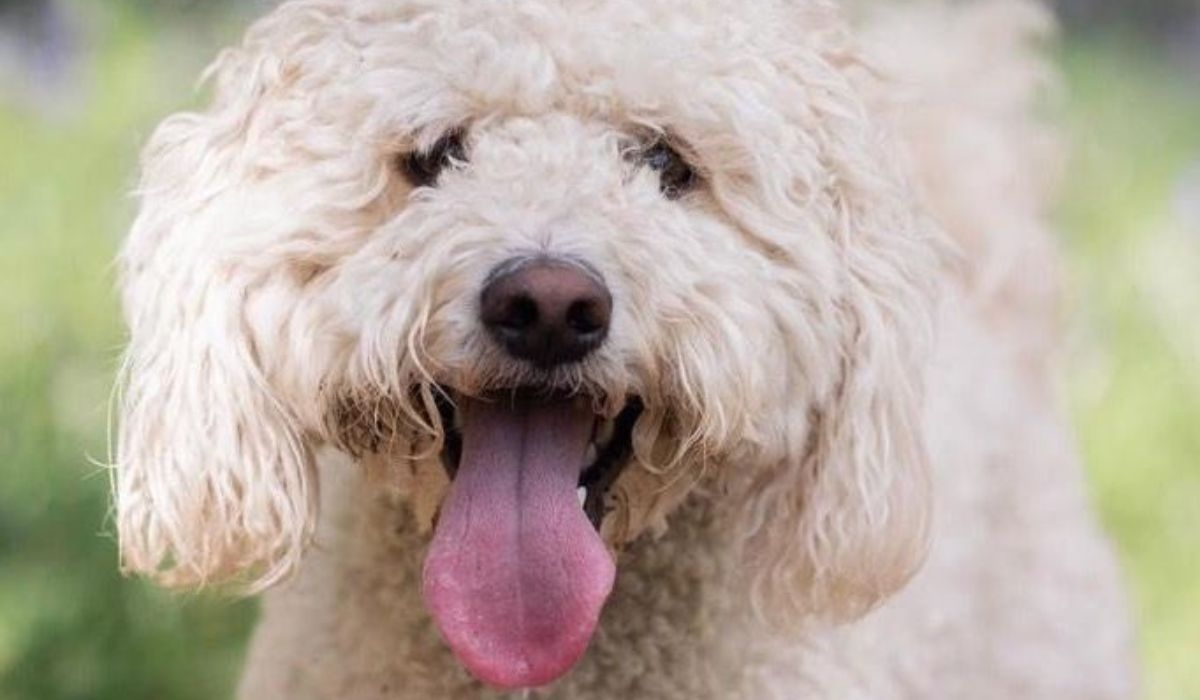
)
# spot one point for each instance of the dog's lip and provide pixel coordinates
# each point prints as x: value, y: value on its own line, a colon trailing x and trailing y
x: 614, y: 452
x: 610, y: 452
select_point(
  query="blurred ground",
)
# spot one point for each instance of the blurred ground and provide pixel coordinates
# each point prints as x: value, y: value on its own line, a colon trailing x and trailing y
x: 71, y: 628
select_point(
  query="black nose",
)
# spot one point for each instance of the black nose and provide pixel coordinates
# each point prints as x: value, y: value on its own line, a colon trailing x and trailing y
x: 549, y: 312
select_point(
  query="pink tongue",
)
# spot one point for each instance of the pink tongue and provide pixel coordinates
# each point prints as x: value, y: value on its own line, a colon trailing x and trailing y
x: 516, y: 574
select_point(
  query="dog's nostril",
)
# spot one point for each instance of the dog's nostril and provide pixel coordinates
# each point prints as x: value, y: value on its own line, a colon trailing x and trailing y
x: 585, y: 317
x: 521, y: 314
x: 548, y: 312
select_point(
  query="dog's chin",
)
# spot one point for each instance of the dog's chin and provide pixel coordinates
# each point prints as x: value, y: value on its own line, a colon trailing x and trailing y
x: 517, y: 573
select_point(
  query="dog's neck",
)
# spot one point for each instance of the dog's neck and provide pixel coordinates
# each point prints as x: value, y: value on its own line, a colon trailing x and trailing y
x: 355, y: 612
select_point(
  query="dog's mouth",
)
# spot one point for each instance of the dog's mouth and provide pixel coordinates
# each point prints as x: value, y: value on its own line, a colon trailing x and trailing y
x: 517, y: 573
x: 609, y: 450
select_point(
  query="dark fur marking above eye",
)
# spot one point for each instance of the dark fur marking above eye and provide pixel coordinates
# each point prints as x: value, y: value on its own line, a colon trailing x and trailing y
x: 422, y: 168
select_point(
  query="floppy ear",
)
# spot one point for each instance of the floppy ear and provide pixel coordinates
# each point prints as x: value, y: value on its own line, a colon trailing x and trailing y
x: 842, y: 522
x: 839, y: 520
x: 213, y: 477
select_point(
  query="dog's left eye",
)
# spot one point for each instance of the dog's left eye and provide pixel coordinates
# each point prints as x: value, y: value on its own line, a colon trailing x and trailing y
x: 675, y: 177
x: 422, y: 168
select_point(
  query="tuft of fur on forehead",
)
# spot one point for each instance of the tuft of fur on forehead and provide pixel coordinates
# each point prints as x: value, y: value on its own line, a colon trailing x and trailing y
x: 286, y: 287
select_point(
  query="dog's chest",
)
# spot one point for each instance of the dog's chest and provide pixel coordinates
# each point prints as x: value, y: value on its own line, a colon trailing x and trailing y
x: 353, y: 625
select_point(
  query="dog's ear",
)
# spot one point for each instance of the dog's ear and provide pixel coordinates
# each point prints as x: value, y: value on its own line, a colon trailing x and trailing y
x: 840, y: 521
x: 213, y: 477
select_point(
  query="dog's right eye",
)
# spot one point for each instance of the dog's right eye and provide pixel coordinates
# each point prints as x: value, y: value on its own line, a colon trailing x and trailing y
x: 422, y: 168
x: 676, y: 176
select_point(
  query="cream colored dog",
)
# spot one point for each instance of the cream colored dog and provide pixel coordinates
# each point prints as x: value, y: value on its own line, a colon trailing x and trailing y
x: 641, y: 349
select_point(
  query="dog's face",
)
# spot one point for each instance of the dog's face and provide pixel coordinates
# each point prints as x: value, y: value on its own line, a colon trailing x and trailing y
x: 552, y: 263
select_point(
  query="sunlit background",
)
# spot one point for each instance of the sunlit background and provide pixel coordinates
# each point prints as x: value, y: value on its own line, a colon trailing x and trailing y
x: 81, y: 85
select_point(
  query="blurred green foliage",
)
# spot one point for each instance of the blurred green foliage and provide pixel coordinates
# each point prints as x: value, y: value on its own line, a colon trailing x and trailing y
x: 1146, y: 15
x: 71, y: 627
x: 1135, y: 364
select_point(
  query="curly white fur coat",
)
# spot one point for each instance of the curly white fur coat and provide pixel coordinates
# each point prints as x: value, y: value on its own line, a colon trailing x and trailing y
x: 849, y: 480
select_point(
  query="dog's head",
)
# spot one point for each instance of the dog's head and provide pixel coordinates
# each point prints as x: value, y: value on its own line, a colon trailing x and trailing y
x: 555, y: 263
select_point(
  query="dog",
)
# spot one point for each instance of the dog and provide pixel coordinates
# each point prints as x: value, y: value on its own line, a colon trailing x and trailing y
x: 627, y: 348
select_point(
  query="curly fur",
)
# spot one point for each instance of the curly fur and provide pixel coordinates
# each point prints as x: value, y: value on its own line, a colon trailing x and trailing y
x: 296, y: 307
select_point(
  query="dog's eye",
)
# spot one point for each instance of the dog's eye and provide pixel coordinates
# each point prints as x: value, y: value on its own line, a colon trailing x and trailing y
x: 675, y: 177
x: 422, y: 168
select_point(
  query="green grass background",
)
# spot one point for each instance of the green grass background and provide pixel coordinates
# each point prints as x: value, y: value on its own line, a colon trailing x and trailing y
x: 70, y: 627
